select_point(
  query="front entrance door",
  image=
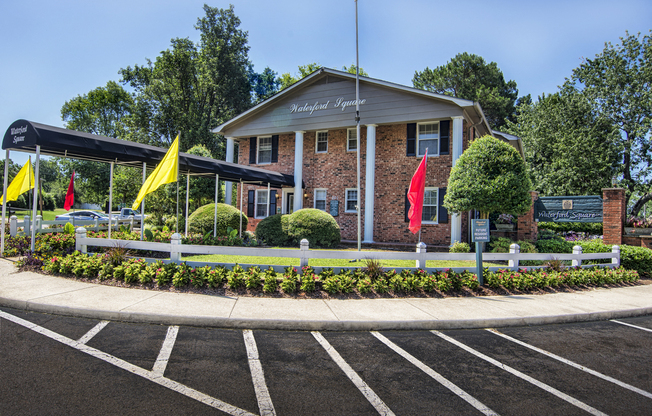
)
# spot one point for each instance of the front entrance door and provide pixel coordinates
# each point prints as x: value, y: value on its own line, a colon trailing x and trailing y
x: 289, y: 203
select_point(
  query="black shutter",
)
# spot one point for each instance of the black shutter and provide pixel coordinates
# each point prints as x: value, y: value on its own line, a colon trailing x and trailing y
x: 407, y: 206
x: 252, y: 150
x: 443, y: 212
x: 272, y: 203
x: 275, y: 148
x: 412, y: 139
x: 251, y: 204
x: 444, y: 137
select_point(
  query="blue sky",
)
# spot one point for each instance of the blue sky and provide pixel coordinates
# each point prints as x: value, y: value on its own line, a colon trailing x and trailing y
x: 53, y: 51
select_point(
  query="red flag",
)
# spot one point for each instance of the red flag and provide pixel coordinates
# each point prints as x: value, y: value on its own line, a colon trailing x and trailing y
x: 70, y: 195
x: 415, y: 195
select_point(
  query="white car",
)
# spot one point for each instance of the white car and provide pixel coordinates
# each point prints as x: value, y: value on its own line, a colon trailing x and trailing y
x: 83, y: 216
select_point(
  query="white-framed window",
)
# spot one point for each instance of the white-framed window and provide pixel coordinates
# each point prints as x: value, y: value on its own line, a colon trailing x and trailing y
x: 261, y: 203
x: 320, y: 199
x: 430, y: 206
x: 351, y: 199
x: 351, y: 140
x: 264, y: 150
x: 321, y: 145
x: 428, y: 137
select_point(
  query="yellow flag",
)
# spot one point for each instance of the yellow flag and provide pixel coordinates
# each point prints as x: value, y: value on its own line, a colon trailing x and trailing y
x: 23, y: 182
x: 165, y: 172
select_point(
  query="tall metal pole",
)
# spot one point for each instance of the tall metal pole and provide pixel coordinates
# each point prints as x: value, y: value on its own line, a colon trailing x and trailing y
x: 179, y: 147
x: 187, y: 199
x: 4, y: 202
x: 357, y: 123
x: 142, y: 205
x: 36, y: 178
x: 217, y: 187
x: 111, y: 200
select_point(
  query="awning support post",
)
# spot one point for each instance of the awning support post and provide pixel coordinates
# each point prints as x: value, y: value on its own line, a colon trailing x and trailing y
x: 36, y: 178
x: 4, y: 202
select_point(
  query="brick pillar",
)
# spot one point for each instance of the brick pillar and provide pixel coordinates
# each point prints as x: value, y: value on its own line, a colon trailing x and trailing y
x: 614, y: 210
x: 527, y: 227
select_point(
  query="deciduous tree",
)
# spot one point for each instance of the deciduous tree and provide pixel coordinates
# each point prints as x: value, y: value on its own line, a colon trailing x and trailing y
x: 618, y: 84
x: 490, y: 176
x: 468, y: 76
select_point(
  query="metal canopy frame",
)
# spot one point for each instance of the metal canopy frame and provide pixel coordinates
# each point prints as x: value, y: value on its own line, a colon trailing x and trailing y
x: 41, y: 139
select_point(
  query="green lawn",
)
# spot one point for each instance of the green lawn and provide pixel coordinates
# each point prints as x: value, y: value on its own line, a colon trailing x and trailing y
x: 283, y: 261
x: 47, y: 215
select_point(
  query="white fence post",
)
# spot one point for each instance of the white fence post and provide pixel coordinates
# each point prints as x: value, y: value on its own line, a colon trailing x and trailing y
x: 79, y: 234
x: 304, y: 246
x: 131, y: 223
x: 175, y: 254
x: 37, y: 224
x: 616, y: 260
x: 26, y: 225
x: 13, y: 225
x: 421, y: 256
x: 514, y: 249
x: 97, y: 224
x: 577, y: 262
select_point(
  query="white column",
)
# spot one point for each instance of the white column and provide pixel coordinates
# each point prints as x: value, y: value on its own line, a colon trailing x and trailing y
x: 298, y: 170
x: 370, y: 184
x: 457, y: 147
x: 229, y: 158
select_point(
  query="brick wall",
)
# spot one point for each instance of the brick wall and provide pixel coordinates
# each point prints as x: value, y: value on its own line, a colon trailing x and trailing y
x: 613, y: 213
x: 527, y: 227
x: 336, y: 171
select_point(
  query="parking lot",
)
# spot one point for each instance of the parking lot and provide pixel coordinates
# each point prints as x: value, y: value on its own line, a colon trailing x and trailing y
x: 52, y: 365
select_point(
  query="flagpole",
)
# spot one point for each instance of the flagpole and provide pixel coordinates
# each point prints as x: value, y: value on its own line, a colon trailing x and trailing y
x: 357, y: 123
x: 178, y: 144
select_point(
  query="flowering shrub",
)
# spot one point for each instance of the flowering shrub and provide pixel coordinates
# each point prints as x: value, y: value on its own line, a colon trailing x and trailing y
x: 308, y: 279
x: 638, y: 222
x: 505, y: 219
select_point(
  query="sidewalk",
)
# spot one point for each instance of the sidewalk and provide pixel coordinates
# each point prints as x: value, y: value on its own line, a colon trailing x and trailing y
x: 56, y: 295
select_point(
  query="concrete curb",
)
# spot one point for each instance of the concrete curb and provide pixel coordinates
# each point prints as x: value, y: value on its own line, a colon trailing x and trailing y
x: 317, y: 325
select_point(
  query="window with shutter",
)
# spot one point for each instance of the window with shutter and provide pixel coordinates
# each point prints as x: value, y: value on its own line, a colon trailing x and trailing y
x: 412, y: 139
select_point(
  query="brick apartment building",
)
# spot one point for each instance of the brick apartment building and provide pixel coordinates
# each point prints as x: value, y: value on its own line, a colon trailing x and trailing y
x: 309, y: 131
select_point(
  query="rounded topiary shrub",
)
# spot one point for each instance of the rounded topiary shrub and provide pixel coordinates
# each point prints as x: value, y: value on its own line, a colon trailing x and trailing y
x: 316, y: 226
x: 272, y: 232
x: 203, y: 219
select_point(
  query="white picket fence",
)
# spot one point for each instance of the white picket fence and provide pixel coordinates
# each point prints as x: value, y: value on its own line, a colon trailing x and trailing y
x: 44, y: 227
x: 305, y: 254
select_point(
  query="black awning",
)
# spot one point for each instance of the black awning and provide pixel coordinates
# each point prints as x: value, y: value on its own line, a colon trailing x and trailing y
x: 25, y: 135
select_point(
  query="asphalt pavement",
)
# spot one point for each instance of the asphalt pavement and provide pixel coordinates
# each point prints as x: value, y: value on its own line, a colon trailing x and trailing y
x: 57, y: 295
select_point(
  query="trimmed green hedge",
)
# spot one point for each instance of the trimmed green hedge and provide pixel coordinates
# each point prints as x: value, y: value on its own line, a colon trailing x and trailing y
x: 202, y: 220
x: 580, y: 227
x: 272, y: 232
x: 316, y: 226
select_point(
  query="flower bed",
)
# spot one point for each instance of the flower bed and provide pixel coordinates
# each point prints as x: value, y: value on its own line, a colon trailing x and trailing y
x: 362, y: 281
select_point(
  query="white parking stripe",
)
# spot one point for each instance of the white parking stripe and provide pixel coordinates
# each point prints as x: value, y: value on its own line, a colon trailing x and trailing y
x: 265, y: 404
x: 435, y: 375
x: 633, y: 326
x: 90, y: 334
x: 523, y: 376
x: 166, y: 350
x: 364, y: 388
x: 573, y: 364
x: 149, y: 375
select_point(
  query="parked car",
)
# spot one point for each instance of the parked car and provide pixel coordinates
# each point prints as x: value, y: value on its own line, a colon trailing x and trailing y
x: 125, y: 213
x: 83, y: 216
